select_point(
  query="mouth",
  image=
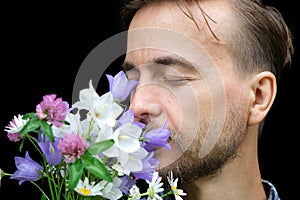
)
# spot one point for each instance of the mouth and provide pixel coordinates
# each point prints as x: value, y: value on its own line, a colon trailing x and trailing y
x: 169, y: 140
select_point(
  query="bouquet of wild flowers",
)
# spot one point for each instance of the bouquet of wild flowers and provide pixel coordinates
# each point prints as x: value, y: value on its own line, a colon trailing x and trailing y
x: 93, y: 149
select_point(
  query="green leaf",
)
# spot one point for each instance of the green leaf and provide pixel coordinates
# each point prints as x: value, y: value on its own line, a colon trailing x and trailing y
x: 99, y: 147
x: 44, y: 197
x: 31, y: 126
x: 75, y: 172
x: 46, y: 128
x: 29, y: 115
x: 21, y: 145
x: 97, y: 168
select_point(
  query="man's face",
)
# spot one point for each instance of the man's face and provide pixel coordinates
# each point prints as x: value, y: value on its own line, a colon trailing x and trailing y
x: 188, y: 80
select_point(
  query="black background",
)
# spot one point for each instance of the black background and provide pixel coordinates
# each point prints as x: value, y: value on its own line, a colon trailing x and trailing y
x: 43, y: 46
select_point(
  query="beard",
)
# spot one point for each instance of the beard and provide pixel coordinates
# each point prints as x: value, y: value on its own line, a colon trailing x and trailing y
x: 190, y: 166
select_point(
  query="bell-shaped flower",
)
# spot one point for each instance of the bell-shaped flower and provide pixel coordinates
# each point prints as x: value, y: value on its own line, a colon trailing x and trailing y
x: 103, y: 109
x: 50, y: 149
x: 157, y: 138
x: 120, y: 169
x: 126, y: 140
x: 106, y: 133
x: 74, y: 125
x: 128, y: 137
x: 28, y: 169
x: 111, y: 190
x: 127, y: 183
x: 132, y: 161
x: 128, y: 116
x: 120, y: 86
x: 149, y: 166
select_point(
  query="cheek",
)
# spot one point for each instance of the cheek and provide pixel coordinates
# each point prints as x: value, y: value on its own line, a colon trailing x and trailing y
x: 184, y: 108
x: 172, y: 106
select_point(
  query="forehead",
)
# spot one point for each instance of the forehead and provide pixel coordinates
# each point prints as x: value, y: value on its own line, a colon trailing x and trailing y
x: 192, y: 19
x: 166, y: 26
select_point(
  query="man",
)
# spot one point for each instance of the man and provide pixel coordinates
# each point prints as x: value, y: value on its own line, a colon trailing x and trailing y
x: 210, y: 69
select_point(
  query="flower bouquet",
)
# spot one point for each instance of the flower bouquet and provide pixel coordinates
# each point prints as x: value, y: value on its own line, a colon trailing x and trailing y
x: 91, y: 150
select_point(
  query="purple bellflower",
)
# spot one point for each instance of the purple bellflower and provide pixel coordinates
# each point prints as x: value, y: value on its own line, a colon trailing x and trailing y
x: 50, y: 150
x: 120, y: 86
x: 128, y: 116
x: 28, y: 169
x: 149, y: 165
x: 157, y: 138
x: 127, y: 183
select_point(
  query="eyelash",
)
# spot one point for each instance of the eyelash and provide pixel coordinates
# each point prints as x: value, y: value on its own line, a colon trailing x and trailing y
x: 175, y: 79
x: 169, y: 79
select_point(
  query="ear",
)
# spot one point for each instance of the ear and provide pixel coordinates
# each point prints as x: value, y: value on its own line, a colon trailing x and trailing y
x: 263, y: 89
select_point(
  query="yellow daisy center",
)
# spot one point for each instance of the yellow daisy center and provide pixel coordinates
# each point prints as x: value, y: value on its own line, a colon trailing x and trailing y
x: 85, y: 191
x: 174, y: 188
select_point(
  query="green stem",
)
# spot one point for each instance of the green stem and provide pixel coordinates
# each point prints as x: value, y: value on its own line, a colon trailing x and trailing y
x: 91, y: 124
x: 59, y: 182
x: 50, y: 177
x: 40, y: 189
x: 168, y: 193
x: 5, y: 174
x: 65, y: 180
x: 144, y: 194
x: 34, y: 141
x: 55, y: 185
x: 49, y: 181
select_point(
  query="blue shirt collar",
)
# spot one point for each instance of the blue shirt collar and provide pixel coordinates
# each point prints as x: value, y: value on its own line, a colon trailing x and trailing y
x: 270, y: 190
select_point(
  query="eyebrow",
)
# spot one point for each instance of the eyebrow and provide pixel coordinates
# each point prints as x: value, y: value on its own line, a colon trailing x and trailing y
x: 173, y: 60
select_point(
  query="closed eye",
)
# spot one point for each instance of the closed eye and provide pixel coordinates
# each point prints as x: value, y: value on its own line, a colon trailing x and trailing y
x: 175, y: 79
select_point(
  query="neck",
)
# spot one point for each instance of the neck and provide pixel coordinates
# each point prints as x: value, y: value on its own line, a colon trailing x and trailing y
x: 239, y: 179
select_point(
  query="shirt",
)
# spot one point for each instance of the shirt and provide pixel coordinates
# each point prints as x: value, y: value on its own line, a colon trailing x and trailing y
x: 270, y: 190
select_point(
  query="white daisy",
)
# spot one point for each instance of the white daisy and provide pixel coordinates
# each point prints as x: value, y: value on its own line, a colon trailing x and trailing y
x: 173, y: 183
x: 16, y: 124
x: 88, y: 189
x: 134, y: 193
x: 111, y: 190
x: 155, y: 187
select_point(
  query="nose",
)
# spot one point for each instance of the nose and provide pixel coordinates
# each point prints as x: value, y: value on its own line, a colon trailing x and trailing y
x: 145, y: 103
